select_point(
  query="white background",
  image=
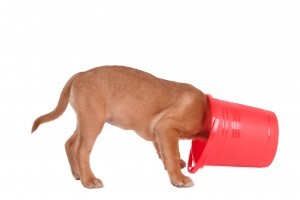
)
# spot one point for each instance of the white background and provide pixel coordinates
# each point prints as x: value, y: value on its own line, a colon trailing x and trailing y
x: 244, y: 51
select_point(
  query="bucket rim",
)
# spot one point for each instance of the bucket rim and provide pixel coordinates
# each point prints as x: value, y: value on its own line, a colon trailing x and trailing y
x: 214, y: 123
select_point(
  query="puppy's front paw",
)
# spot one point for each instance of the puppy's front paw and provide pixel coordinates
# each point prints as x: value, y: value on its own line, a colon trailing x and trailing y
x: 92, y: 183
x: 183, y: 182
x: 182, y: 164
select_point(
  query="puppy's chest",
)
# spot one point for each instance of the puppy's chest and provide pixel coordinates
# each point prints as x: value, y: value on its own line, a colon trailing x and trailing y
x: 194, y: 132
x: 196, y: 136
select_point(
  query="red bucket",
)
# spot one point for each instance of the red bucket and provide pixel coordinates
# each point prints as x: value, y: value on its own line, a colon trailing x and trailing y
x: 240, y: 136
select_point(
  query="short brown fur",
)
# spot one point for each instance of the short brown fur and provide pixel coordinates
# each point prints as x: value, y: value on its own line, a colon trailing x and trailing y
x: 158, y: 110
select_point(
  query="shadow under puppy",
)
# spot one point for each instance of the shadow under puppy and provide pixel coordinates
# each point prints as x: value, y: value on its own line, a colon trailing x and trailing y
x: 158, y: 110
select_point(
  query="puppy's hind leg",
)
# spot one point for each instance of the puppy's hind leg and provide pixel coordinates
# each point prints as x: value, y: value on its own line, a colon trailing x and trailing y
x: 69, y: 146
x: 90, y: 123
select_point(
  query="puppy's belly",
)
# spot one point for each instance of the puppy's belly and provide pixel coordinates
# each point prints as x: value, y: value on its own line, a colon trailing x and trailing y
x: 114, y: 122
x: 110, y: 121
x: 142, y: 128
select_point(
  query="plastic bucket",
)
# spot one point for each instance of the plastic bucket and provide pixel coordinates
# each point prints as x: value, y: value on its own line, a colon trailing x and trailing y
x: 240, y: 136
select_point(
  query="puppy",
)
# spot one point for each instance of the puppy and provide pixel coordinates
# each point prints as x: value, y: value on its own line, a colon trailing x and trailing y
x: 158, y: 110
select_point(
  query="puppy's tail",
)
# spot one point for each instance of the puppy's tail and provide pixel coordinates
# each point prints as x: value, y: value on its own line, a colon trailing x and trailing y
x: 60, y: 108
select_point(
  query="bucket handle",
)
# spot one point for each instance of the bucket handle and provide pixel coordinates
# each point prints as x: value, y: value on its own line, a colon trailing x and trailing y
x: 191, y: 168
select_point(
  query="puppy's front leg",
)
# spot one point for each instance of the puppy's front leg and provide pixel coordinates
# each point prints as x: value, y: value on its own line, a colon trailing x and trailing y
x: 167, y: 139
x: 182, y: 163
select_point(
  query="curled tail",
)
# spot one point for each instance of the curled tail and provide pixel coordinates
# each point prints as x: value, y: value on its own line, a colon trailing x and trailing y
x: 60, y: 108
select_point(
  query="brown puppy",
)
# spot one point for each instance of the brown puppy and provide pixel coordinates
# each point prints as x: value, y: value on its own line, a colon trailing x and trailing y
x: 158, y: 110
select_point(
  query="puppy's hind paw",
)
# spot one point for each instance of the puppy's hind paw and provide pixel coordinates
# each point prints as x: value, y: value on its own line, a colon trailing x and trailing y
x: 183, y: 182
x: 92, y: 183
